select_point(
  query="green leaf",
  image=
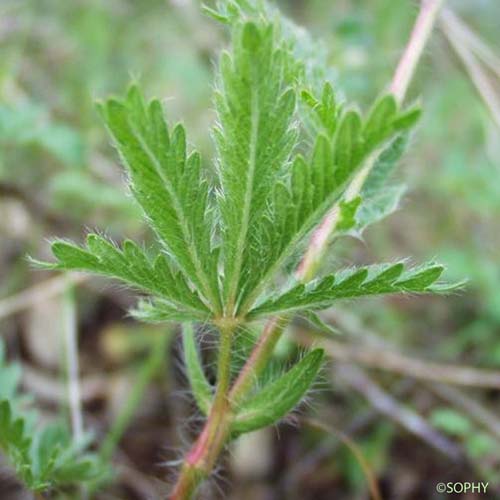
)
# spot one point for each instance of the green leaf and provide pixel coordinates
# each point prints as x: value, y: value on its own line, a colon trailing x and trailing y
x: 325, y: 111
x: 279, y: 397
x: 59, y: 461
x: 168, y: 184
x: 231, y: 11
x: 133, y: 266
x: 15, y: 444
x: 384, y: 166
x: 348, y: 214
x: 159, y: 311
x: 202, y: 390
x: 451, y: 421
x: 379, y: 198
x: 43, y: 458
x: 371, y: 280
x: 255, y: 136
x: 313, y: 187
x: 378, y: 206
x: 379, y: 124
x: 349, y: 148
x: 10, y: 376
x: 407, y: 119
x: 317, y: 323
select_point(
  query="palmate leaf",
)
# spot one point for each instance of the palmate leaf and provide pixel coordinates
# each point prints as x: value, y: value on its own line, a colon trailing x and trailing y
x: 279, y: 397
x: 255, y: 135
x: 168, y: 184
x: 301, y: 200
x: 357, y: 282
x: 131, y: 265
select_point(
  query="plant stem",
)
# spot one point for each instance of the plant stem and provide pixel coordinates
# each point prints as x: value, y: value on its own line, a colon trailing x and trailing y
x: 202, y: 456
x: 482, y: 50
x: 422, y: 29
x: 71, y: 357
x: 258, y: 359
x: 70, y: 335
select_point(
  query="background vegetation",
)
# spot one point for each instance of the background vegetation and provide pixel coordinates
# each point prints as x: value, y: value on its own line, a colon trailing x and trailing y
x: 398, y: 387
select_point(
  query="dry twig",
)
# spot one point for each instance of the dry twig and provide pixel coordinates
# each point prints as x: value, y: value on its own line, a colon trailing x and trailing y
x: 358, y: 380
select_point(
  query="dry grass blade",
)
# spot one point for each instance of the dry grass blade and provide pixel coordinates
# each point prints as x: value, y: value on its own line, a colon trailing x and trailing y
x: 358, y: 380
x: 389, y: 360
x: 460, y: 43
x: 27, y: 298
x: 474, y: 41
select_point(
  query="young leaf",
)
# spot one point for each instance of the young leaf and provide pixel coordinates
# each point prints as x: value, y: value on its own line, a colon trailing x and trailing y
x: 202, y: 390
x: 279, y: 397
x: 371, y: 280
x: 254, y: 137
x: 348, y: 214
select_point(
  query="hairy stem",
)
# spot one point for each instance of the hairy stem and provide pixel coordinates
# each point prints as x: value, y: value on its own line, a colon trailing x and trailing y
x: 258, y: 359
x: 422, y: 30
x: 202, y: 456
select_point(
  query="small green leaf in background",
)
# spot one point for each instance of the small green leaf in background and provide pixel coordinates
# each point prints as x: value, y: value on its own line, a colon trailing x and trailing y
x: 451, y: 421
x: 42, y: 457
